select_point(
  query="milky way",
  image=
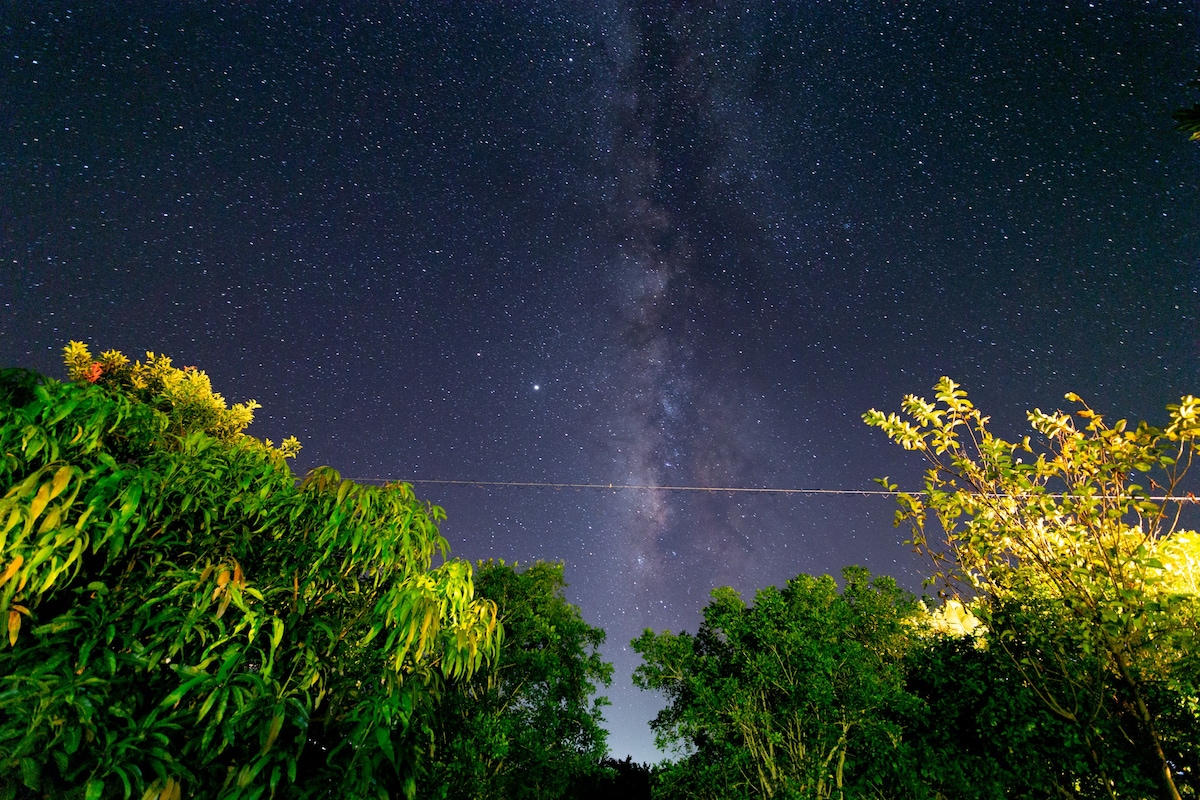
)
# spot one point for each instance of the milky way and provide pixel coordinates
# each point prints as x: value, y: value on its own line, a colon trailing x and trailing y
x: 673, y: 224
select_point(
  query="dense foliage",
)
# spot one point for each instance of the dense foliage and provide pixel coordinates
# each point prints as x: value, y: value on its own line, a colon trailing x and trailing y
x: 808, y: 701
x: 797, y: 695
x: 982, y: 733
x: 616, y: 780
x: 1080, y: 571
x: 528, y: 726
x: 184, y: 619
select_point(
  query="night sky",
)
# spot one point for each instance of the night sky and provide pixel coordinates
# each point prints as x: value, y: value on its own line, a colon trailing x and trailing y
x: 658, y: 244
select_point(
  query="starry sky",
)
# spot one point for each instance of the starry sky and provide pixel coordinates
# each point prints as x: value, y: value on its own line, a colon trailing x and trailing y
x: 657, y: 243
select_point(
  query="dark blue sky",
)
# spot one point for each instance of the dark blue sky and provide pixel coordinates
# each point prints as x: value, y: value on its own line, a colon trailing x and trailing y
x: 650, y: 243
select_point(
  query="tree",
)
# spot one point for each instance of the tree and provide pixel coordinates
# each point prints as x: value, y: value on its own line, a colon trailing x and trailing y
x: 981, y: 733
x: 1082, y: 576
x: 183, y: 618
x: 184, y: 396
x: 796, y: 695
x: 528, y: 726
x: 619, y: 780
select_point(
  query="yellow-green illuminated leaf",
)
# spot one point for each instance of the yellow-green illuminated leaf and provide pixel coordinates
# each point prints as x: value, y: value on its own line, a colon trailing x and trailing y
x: 61, y: 479
x: 39, y: 502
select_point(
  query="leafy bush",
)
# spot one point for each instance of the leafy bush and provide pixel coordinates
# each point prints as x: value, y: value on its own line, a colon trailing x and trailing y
x: 184, y: 618
x: 1073, y: 547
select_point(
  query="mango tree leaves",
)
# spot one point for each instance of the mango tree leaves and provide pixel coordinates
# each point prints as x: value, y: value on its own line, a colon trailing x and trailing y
x: 184, y: 619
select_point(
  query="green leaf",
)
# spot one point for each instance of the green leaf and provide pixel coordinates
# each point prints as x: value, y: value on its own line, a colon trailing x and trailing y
x: 273, y: 729
x: 277, y: 630
x: 383, y: 739
x: 31, y: 773
x: 39, y: 503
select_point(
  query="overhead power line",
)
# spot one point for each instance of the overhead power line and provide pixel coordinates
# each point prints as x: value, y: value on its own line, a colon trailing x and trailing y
x: 659, y: 488
x: 1189, y: 498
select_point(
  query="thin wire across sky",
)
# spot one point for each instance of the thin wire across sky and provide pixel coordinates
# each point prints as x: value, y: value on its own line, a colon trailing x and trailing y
x: 1188, y: 498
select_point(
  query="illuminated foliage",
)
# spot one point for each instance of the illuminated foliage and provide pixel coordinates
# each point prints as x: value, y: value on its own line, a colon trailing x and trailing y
x: 185, y: 619
x: 185, y: 395
x: 1081, y: 572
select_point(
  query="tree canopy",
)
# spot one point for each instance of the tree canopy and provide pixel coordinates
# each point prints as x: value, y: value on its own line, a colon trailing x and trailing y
x: 1073, y: 550
x: 795, y: 695
x: 1062, y: 660
x: 528, y: 726
x: 185, y: 618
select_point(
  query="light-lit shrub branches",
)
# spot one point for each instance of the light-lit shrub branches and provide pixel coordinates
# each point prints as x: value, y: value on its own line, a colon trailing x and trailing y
x: 1073, y: 549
